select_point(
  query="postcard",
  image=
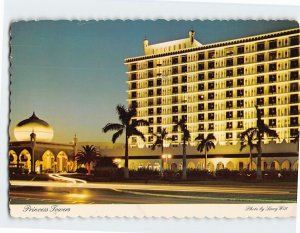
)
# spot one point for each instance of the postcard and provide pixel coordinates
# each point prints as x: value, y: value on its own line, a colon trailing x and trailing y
x: 154, y: 118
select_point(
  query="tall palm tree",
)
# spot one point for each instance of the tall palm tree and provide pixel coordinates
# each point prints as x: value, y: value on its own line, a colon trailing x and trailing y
x: 87, y: 156
x: 186, y: 137
x: 248, y: 139
x: 127, y: 124
x: 206, y: 144
x: 160, y: 138
x: 259, y: 131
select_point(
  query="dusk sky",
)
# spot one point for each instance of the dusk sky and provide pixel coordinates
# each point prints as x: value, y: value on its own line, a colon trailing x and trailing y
x: 72, y: 73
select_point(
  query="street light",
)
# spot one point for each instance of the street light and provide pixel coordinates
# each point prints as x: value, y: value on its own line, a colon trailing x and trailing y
x: 166, y: 157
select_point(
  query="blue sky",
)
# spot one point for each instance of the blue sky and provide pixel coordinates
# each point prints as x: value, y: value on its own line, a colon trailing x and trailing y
x: 72, y: 73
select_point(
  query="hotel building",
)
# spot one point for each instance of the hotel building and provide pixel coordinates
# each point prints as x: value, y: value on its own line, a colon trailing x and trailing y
x: 215, y: 88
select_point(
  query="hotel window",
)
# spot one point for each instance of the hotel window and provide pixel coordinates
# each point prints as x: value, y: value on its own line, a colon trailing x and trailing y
x: 272, y: 111
x: 272, y: 44
x: 183, y: 69
x: 134, y: 103
x: 211, y: 126
x: 133, y: 76
x: 272, y: 89
x: 240, y: 71
x: 150, y: 111
x: 211, y: 65
x: 294, y: 40
x: 229, y: 62
x: 158, y: 82
x: 228, y: 135
x: 272, y: 100
x: 150, y: 74
x: 158, y: 91
x: 272, y: 55
x: 150, y: 64
x: 294, y: 64
x: 175, y: 70
x: 150, y: 83
x: 184, y: 59
x: 200, y: 56
x: 150, y: 102
x: 159, y: 120
x: 175, y: 109
x: 174, y: 99
x: 229, y: 125
x: 133, y: 85
x: 211, y: 116
x: 200, y: 97
x: 158, y: 101
x: 260, y: 68
x: 211, y: 75
x: 294, y: 132
x: 240, y: 82
x: 272, y: 122
x: 260, y: 90
x: 240, y: 103
x: 200, y: 66
x: 229, y: 83
x: 174, y: 60
x: 259, y: 101
x: 294, y: 121
x: 260, y: 79
x: 260, y: 57
x: 184, y: 117
x: 200, y: 107
x: 272, y: 78
x: 200, y: 76
x: 229, y: 115
x: 229, y: 94
x: 211, y: 86
x: 240, y: 60
x: 229, y: 73
x: 240, y: 114
x: 272, y: 66
x: 294, y: 75
x: 240, y: 93
x: 184, y: 89
x: 150, y: 138
x: 175, y: 119
x: 261, y: 111
x: 294, y: 110
x: 229, y: 104
x: 175, y: 80
x: 150, y: 92
x: 294, y: 98
x: 184, y: 79
x: 260, y: 46
x: 201, y: 127
x: 200, y: 117
x: 151, y: 120
x: 158, y: 110
x: 184, y: 108
x: 174, y: 138
x: 211, y: 54
x: 133, y: 67
x: 240, y: 49
x: 293, y: 87
x: 175, y: 127
x: 211, y: 95
x: 133, y: 94
x: 240, y: 125
x: 201, y: 87
x: 211, y: 106
x: 159, y: 129
x: 175, y: 90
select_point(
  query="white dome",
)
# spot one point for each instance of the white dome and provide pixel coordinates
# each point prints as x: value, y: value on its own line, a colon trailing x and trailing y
x: 43, y: 131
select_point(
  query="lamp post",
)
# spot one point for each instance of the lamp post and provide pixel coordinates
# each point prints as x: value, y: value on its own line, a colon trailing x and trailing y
x: 166, y: 157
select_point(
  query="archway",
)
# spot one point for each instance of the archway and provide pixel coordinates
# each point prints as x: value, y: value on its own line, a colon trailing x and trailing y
x: 13, y: 157
x: 230, y: 166
x: 191, y: 165
x: 275, y: 165
x: 295, y: 166
x: 156, y: 167
x: 200, y: 165
x: 25, y: 160
x: 174, y: 167
x: 62, y: 162
x: 286, y: 165
x: 220, y: 166
x: 241, y: 166
x: 48, y: 161
x: 253, y: 166
x: 264, y: 166
x: 38, y: 166
x: 210, y: 167
x: 149, y: 166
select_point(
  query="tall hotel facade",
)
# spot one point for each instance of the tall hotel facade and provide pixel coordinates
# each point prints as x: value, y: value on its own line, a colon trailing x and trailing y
x: 215, y: 87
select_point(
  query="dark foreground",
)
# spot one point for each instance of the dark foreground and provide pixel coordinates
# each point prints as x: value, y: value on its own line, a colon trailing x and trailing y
x: 50, y: 192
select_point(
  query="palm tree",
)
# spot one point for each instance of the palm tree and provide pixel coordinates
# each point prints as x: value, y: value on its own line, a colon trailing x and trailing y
x: 87, y: 156
x: 248, y: 139
x: 259, y: 131
x: 186, y: 137
x: 127, y: 124
x: 160, y: 138
x: 206, y: 144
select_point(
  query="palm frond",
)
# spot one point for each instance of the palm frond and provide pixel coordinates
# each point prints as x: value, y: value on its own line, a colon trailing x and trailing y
x: 112, y: 127
x: 116, y: 135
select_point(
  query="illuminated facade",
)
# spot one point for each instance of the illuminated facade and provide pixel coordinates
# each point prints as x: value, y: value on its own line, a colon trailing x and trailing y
x: 215, y: 87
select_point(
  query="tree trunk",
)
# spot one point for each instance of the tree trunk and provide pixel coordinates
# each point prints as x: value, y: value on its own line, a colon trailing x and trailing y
x: 250, y: 165
x: 162, y: 159
x: 89, y: 168
x: 184, y: 161
x: 126, y: 171
x: 259, y: 151
x: 205, y: 159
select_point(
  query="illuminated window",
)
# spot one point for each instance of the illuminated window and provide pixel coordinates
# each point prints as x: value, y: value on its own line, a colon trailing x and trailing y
x: 200, y: 107
x: 260, y: 68
x: 201, y: 66
x: 229, y: 83
x: 200, y: 117
x: 229, y: 125
x: 240, y: 71
x: 240, y: 60
x: 240, y: 49
x: 260, y: 79
x: 211, y: 95
x: 184, y: 69
x: 240, y: 124
x: 229, y: 62
x: 200, y: 56
x: 175, y: 90
x: 211, y: 54
x: 228, y: 135
x: 272, y: 78
x: 229, y: 94
x: 210, y: 126
x: 272, y: 44
x: 229, y: 73
x: 240, y: 103
x: 272, y: 111
x: 175, y: 119
x: 272, y: 100
x: 174, y: 60
x: 184, y: 59
x: 229, y: 115
x: 211, y: 75
x: 158, y: 91
x: 260, y: 46
x: 229, y: 104
x: 184, y: 79
x: 259, y: 101
x: 158, y: 82
x: 272, y: 122
x: 201, y: 76
x: 211, y: 65
x: 260, y: 90
x: 159, y: 120
x: 211, y: 106
x: 260, y: 57
x: 294, y: 121
x: 201, y: 87
x: 150, y: 111
x: 183, y: 89
x: 272, y: 66
x: 240, y: 114
x: 272, y: 89
x: 158, y: 111
x: 184, y: 108
x: 211, y: 86
x: 150, y: 92
x: 201, y: 127
x: 211, y: 116
x: 175, y: 109
x: 240, y: 92
x: 151, y: 120
x: 272, y: 55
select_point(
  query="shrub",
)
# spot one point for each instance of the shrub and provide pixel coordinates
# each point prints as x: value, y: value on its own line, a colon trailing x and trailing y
x: 246, y: 174
x: 106, y: 172
x: 144, y: 173
x: 105, y: 162
x: 200, y: 174
x: 82, y: 170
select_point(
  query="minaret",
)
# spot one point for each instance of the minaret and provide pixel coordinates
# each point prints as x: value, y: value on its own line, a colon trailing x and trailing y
x: 75, y: 150
x: 146, y: 44
x: 192, y: 36
x: 33, y: 143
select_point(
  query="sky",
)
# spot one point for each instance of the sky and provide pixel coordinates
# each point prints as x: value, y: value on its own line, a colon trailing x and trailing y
x: 72, y: 73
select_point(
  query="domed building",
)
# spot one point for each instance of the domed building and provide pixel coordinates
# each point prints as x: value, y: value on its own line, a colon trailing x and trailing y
x: 34, y: 151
